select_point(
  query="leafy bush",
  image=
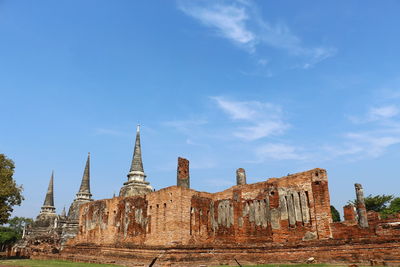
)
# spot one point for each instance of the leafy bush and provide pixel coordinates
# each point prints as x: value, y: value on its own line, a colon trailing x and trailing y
x: 8, y: 236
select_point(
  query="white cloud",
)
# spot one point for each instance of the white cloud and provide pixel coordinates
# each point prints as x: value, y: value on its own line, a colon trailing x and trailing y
x: 373, y: 144
x: 248, y: 110
x: 242, y: 23
x: 377, y: 114
x: 260, y: 130
x: 384, y: 112
x: 237, y: 110
x: 228, y: 20
x: 279, y: 152
x: 261, y: 119
x: 317, y: 55
x: 382, y: 131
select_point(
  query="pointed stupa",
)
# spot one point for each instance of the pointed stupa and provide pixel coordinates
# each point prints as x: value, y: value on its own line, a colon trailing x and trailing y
x: 84, y: 190
x: 48, y: 205
x: 136, y: 184
x: 83, y: 196
x: 136, y: 173
x: 63, y: 213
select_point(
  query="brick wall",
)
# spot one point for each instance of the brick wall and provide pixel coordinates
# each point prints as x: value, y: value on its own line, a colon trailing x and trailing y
x: 282, y: 220
x: 291, y: 208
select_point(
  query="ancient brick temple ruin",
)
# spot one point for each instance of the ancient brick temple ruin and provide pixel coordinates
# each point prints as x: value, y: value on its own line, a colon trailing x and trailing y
x: 278, y: 220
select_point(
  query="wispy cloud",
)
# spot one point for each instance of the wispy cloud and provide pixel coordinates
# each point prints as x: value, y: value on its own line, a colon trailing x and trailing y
x: 373, y: 144
x: 382, y: 113
x: 262, y: 125
x: 228, y: 20
x: 382, y: 131
x: 260, y: 119
x: 279, y: 152
x: 242, y: 23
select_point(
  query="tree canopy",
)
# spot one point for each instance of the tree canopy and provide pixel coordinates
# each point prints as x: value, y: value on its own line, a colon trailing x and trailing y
x: 11, y: 234
x: 377, y: 203
x: 386, y: 205
x: 18, y: 223
x: 393, y: 208
x: 7, y: 237
x: 335, y: 214
x: 10, y: 192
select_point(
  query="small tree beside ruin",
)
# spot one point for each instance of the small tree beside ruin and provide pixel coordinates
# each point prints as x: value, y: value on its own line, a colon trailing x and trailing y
x: 10, y: 192
x: 386, y: 205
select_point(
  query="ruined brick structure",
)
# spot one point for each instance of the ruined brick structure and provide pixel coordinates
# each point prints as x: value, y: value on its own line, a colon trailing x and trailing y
x: 285, y: 219
x: 182, y: 174
x: 50, y: 231
x: 292, y: 208
x: 361, y: 209
x: 71, y: 226
x: 240, y: 176
x: 44, y: 232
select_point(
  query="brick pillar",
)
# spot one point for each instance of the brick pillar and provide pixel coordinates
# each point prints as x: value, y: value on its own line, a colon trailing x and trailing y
x: 349, y: 213
x: 240, y: 176
x: 322, y: 206
x: 183, y: 178
x: 361, y: 210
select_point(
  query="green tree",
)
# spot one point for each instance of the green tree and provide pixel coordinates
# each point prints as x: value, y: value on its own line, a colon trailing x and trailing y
x: 386, y: 205
x: 10, y: 192
x: 7, y: 237
x: 392, y: 209
x: 18, y: 223
x: 376, y: 203
x: 335, y: 214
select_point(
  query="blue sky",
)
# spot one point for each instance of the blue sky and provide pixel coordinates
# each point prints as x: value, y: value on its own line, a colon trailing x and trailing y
x: 274, y: 87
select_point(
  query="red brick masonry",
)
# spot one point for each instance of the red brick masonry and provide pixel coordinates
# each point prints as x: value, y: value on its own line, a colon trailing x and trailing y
x: 279, y: 220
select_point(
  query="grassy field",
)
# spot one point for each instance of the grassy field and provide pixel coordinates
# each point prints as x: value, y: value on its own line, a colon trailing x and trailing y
x: 50, y: 263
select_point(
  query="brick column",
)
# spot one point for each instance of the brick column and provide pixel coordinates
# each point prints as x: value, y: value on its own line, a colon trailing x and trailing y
x: 240, y: 176
x: 322, y: 206
x: 183, y: 178
x: 349, y: 213
x: 361, y: 209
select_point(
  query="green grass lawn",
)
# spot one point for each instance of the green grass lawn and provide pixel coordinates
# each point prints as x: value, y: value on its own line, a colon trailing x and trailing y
x: 51, y: 263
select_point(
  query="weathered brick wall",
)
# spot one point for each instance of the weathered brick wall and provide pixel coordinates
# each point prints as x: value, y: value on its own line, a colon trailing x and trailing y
x: 362, y: 251
x: 279, y: 220
x: 292, y: 208
x: 350, y: 215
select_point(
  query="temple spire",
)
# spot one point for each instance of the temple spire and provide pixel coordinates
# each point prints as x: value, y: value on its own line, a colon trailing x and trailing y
x: 63, y: 213
x: 136, y: 171
x: 136, y: 184
x: 48, y: 205
x: 84, y: 190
